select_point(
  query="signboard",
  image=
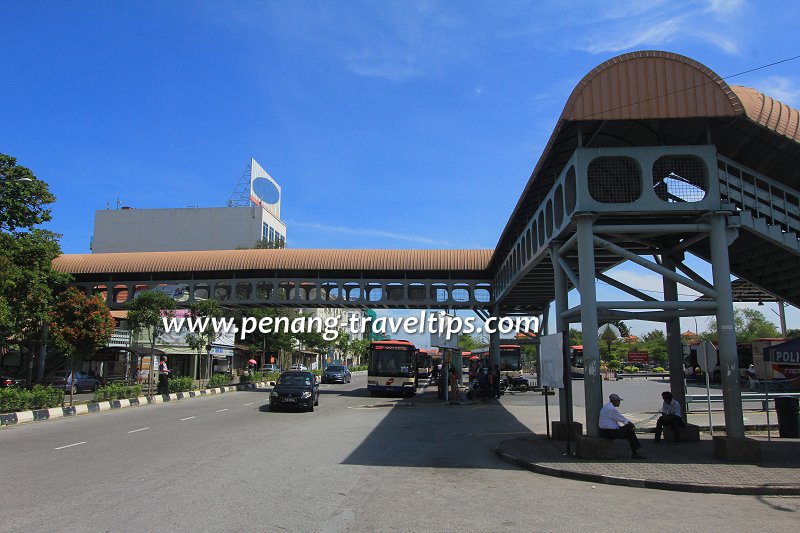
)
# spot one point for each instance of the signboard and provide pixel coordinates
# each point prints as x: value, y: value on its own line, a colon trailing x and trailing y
x: 551, y: 361
x: 707, y: 356
x: 639, y: 357
x: 765, y: 369
x: 441, y: 325
x: 787, y: 353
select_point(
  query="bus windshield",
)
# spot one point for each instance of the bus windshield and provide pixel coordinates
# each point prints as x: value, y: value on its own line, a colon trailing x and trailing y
x: 510, y: 359
x: 391, y: 361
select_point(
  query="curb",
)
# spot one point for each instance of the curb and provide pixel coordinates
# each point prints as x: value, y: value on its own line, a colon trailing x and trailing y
x: 753, y: 490
x: 37, y: 415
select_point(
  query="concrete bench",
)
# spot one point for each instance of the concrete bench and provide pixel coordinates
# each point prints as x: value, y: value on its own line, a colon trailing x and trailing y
x: 601, y: 448
x: 688, y: 433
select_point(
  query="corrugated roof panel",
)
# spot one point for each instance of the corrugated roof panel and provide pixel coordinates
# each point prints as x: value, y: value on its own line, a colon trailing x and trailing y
x: 768, y: 112
x: 400, y: 260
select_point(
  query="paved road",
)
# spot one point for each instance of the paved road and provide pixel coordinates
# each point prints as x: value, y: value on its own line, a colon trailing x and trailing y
x: 225, y: 463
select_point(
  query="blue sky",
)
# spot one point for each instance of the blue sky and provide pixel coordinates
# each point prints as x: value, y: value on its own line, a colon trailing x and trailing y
x: 387, y: 124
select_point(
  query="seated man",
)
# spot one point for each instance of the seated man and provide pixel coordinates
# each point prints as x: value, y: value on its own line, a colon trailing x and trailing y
x: 615, y: 426
x: 670, y: 415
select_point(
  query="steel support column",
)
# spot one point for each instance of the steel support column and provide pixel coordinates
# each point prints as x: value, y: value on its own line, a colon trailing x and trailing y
x: 592, y: 382
x: 675, y: 347
x: 561, y: 304
x: 494, y: 341
x: 728, y: 360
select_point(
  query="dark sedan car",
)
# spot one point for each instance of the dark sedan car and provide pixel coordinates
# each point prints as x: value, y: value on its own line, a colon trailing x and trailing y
x: 295, y: 389
x: 336, y: 374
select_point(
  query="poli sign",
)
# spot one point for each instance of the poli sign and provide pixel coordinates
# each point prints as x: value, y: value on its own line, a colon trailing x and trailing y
x: 787, y: 353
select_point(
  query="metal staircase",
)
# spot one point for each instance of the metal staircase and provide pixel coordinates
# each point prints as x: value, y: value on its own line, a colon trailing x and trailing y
x: 767, y: 250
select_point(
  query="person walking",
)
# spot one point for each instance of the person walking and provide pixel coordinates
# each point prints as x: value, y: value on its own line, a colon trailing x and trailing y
x: 163, y: 377
x: 496, y: 382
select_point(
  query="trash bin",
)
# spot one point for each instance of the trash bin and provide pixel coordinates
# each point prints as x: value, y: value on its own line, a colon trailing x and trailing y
x: 788, y: 410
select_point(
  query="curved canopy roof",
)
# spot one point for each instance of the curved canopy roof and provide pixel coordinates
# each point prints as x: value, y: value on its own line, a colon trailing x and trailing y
x: 291, y: 259
x: 653, y: 98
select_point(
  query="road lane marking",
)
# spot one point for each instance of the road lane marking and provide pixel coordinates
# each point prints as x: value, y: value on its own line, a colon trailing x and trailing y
x: 188, y: 418
x: 251, y: 403
x: 220, y: 410
x: 70, y: 445
x: 140, y: 429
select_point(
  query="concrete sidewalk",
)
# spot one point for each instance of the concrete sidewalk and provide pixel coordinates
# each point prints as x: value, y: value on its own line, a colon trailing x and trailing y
x: 686, y: 466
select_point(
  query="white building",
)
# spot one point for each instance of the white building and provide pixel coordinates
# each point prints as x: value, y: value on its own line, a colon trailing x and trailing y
x: 184, y: 229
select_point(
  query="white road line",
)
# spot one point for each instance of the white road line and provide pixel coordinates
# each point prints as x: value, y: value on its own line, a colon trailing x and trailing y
x: 220, y: 410
x: 188, y: 418
x: 140, y: 429
x: 251, y: 403
x: 70, y: 445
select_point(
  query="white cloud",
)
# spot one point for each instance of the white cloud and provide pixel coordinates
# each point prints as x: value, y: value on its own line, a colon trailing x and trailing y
x: 625, y: 26
x: 645, y: 34
x: 780, y: 88
x: 725, y: 7
x: 367, y: 232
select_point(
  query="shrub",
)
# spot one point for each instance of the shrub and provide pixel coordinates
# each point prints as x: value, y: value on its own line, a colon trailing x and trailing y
x: 252, y: 377
x: 181, y: 384
x: 219, y: 380
x: 117, y: 391
x: 631, y: 369
x: 13, y: 399
x: 659, y: 369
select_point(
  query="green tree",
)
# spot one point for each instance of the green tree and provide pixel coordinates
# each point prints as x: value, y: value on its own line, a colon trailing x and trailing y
x: 79, y: 326
x: 360, y: 350
x: 575, y: 337
x: 655, y: 343
x: 266, y: 244
x: 26, y: 254
x: 467, y: 342
x: 792, y: 333
x: 24, y: 200
x: 624, y: 331
x: 275, y: 340
x: 201, y: 340
x: 749, y: 324
x: 145, y: 316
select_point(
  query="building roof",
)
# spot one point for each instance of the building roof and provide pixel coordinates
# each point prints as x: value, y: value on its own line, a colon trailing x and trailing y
x: 285, y: 259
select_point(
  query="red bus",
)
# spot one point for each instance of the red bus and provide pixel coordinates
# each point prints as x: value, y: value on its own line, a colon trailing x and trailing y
x: 392, y: 367
x: 424, y: 363
x: 510, y: 358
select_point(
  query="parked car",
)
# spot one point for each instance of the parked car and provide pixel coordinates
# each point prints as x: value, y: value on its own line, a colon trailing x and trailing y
x: 11, y: 381
x: 63, y: 380
x: 270, y: 368
x: 295, y: 389
x: 336, y: 374
x: 298, y: 366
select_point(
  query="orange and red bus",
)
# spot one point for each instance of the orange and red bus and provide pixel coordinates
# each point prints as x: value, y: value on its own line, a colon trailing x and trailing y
x: 424, y: 363
x: 392, y: 367
x: 510, y: 358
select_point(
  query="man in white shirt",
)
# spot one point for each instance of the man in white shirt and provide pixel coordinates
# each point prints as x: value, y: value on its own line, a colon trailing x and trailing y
x: 670, y: 416
x: 615, y: 426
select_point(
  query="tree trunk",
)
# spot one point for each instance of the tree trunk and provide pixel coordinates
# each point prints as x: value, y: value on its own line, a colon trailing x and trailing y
x: 74, y: 380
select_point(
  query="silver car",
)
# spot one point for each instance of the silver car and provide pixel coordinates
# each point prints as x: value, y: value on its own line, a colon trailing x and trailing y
x: 63, y: 380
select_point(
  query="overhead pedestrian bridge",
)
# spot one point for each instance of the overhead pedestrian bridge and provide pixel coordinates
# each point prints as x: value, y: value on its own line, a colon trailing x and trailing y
x: 654, y: 156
